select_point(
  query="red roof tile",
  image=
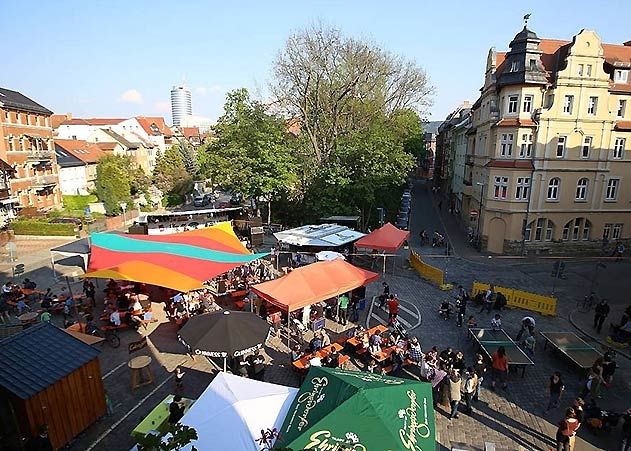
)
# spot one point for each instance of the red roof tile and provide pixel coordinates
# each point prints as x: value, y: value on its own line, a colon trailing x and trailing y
x: 623, y: 125
x: 93, y: 121
x: 84, y: 151
x: 516, y: 122
x: 108, y: 146
x: 510, y: 164
x: 146, y: 122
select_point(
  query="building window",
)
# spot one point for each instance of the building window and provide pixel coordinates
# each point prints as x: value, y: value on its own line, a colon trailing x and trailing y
x: 11, y: 148
x: 621, y: 76
x: 526, y: 146
x: 580, y: 70
x: 587, y: 146
x: 541, y: 222
x: 514, y: 67
x: 506, y: 144
x: 589, y: 70
x: 586, y: 229
x: 617, y: 231
x: 618, y: 148
x: 592, y: 105
x: 576, y: 230
x: 607, y: 230
x: 549, y: 231
x: 568, y: 104
x: 523, y: 185
x: 527, y: 104
x: 500, y: 187
x: 512, y: 104
x: 561, y: 141
x: 527, y: 232
x: 622, y: 106
x: 612, y: 189
x: 553, y: 189
x: 581, y: 189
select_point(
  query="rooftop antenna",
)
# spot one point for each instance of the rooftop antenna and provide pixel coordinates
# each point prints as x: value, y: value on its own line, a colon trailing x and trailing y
x: 526, y: 19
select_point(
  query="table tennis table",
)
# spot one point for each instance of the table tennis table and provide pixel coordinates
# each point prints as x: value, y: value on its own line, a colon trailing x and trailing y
x: 573, y: 347
x: 490, y: 340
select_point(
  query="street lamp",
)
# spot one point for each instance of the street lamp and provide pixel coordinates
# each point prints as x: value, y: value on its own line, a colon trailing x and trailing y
x: 481, y: 185
x: 123, y: 206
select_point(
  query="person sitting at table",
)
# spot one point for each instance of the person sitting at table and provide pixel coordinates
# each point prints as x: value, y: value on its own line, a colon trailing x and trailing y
x: 374, y: 343
x: 132, y: 320
x: 395, y: 337
x: 326, y: 340
x: 374, y: 368
x: 240, y: 366
x: 256, y: 365
x: 65, y: 294
x: 446, y: 358
x: 137, y: 306
x: 28, y: 284
x: 176, y: 410
x: 315, y: 361
x: 296, y: 353
x: 331, y: 360
x: 115, y: 318
x: 398, y: 360
x: 123, y: 301
x: 414, y: 350
x: 22, y: 307
x: 316, y: 342
x: 45, y: 317
x: 432, y: 356
x: 68, y: 306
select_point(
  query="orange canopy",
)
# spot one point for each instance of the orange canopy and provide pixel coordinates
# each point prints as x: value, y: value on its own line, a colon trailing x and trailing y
x: 313, y: 283
x: 387, y: 238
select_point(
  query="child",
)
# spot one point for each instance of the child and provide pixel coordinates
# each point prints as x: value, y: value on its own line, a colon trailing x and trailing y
x: 496, y: 322
x: 529, y: 345
x: 179, y: 378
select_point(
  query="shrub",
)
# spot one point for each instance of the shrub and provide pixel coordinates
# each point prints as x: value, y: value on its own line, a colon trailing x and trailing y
x: 36, y: 227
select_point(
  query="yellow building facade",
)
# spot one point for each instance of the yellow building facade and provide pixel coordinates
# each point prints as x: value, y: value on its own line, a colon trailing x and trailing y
x: 549, y: 151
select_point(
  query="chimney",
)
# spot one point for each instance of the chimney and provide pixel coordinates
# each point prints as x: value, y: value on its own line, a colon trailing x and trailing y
x: 627, y: 44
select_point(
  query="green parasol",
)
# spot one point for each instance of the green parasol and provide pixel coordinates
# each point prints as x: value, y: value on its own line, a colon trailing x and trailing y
x: 339, y: 410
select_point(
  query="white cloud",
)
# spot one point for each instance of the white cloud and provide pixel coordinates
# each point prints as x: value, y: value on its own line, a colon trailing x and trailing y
x: 131, y: 96
x: 162, y: 107
x: 209, y: 90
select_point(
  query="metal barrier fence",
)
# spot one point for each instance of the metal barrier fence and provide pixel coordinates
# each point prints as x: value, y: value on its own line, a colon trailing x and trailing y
x: 546, y: 305
x: 426, y: 271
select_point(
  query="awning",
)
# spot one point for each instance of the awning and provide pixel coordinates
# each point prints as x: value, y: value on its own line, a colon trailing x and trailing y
x: 313, y: 283
x: 323, y: 235
x: 78, y: 248
x: 387, y: 238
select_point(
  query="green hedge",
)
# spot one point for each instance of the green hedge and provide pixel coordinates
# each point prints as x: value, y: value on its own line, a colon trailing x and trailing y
x: 35, y: 227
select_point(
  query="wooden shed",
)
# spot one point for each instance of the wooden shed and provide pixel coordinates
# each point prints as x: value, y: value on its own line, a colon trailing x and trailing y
x: 48, y: 377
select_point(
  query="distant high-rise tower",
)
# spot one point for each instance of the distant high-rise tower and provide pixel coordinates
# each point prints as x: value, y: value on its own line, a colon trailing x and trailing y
x: 180, y: 103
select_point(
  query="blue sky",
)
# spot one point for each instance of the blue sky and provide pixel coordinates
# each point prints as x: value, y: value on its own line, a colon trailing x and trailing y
x: 120, y: 58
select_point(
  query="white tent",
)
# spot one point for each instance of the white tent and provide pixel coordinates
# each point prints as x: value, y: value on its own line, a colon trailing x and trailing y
x: 232, y: 412
x: 328, y: 256
x: 322, y: 235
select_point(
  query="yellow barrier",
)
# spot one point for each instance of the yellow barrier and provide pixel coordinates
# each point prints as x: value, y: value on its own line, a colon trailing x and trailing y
x: 426, y: 271
x: 546, y: 305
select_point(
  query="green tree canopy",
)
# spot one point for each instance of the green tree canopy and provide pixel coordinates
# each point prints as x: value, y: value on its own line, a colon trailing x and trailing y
x: 118, y: 179
x: 170, y: 174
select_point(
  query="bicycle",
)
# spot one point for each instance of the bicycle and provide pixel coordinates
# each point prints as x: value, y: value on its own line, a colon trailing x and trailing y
x: 109, y: 335
x: 587, y: 303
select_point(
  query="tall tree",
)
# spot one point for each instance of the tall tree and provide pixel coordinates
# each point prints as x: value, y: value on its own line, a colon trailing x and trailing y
x: 170, y: 173
x: 114, y: 182
x: 337, y: 85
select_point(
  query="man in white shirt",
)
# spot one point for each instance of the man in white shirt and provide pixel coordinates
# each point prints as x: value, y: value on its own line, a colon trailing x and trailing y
x: 115, y: 318
x: 496, y: 322
x: 527, y: 323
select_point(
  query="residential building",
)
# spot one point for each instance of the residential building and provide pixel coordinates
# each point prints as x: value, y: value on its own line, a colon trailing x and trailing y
x: 124, y: 144
x: 26, y: 145
x: 550, y: 149
x: 456, y: 158
x: 77, y: 161
x: 426, y: 164
x: 181, y: 104
x: 192, y: 135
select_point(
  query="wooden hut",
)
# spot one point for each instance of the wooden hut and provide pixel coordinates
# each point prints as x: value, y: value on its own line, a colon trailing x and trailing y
x: 48, y: 377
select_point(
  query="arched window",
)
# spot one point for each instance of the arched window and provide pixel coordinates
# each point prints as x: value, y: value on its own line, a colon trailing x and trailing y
x: 581, y: 189
x: 543, y: 230
x: 553, y: 189
x: 577, y: 229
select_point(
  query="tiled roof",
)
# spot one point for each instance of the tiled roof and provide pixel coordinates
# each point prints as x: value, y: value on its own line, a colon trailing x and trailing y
x: 516, y: 122
x: 84, y: 151
x: 154, y: 126
x: 18, y: 101
x: 107, y: 146
x: 510, y: 164
x: 190, y: 132
x: 93, y: 121
x: 623, y: 126
x: 38, y: 357
x: 121, y: 139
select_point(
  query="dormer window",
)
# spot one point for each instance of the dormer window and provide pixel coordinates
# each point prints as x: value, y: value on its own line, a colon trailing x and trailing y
x: 621, y: 76
x: 533, y: 64
x: 514, y: 67
x: 580, y: 70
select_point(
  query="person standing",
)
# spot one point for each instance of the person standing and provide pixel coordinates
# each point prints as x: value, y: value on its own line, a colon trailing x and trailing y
x: 567, y: 428
x: 555, y: 390
x: 176, y: 410
x: 343, y: 308
x: 480, y: 371
x: 461, y: 309
x: 626, y: 431
x: 527, y: 323
x: 470, y: 383
x: 600, y: 313
x: 179, y: 378
x: 489, y: 300
x: 385, y: 295
x: 499, y: 367
x: 619, y: 251
x: 455, y: 387
x: 393, y: 308
x: 496, y: 322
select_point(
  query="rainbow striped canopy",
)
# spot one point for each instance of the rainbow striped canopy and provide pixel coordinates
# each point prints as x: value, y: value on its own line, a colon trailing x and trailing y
x: 181, y: 261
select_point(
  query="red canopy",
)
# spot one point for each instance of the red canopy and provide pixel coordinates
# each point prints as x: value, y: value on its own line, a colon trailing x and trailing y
x: 313, y: 283
x: 387, y: 238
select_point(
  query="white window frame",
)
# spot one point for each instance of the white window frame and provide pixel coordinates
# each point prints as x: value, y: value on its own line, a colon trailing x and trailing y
x: 522, y: 189
x: 587, y: 228
x: 577, y: 228
x: 616, y: 232
x: 568, y: 104
x: 611, y: 191
x: 506, y: 144
x: 618, y: 148
x: 607, y: 230
x: 512, y: 104
x: 500, y: 187
x: 525, y: 150
x: 554, y: 186
x: 561, y: 145
x: 580, y: 70
x: 581, y: 189
x: 514, y: 66
x: 586, y: 147
x: 549, y: 231
x: 592, y: 105
x: 528, y: 100
x: 540, y: 226
x: 589, y: 70
x: 621, y: 76
x: 622, y: 106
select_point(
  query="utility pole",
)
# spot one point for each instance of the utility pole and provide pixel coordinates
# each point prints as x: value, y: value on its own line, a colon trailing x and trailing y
x: 481, y: 185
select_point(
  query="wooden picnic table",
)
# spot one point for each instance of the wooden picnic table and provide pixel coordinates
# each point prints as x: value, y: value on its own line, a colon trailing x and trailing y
x: 302, y: 364
x: 355, y: 342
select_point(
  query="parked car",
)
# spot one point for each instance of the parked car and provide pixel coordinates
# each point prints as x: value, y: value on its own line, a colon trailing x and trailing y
x: 209, y: 198
x: 402, y: 224
x: 76, y: 221
x: 236, y: 199
x: 198, y: 201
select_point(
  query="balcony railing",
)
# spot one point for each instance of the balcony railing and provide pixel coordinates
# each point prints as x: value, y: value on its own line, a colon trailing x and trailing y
x: 39, y: 155
x: 45, y: 181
